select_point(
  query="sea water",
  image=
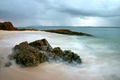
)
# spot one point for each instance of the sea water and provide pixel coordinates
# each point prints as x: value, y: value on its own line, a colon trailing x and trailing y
x: 100, y: 54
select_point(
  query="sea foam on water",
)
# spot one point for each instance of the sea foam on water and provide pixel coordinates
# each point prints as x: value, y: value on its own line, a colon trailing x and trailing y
x: 100, y: 59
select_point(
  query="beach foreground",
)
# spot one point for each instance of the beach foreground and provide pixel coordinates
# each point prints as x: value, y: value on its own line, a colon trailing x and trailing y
x: 100, y: 60
x: 42, y: 72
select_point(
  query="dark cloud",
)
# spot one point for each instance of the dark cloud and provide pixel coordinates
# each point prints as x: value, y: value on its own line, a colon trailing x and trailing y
x: 61, y: 12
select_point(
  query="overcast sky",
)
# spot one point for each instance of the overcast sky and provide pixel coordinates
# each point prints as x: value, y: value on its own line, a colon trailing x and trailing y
x: 61, y: 12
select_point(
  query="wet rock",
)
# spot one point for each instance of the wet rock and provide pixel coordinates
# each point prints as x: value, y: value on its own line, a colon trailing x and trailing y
x: 67, y: 55
x: 8, y: 64
x: 28, y: 55
x: 41, y: 45
x: 57, y: 51
x: 39, y: 51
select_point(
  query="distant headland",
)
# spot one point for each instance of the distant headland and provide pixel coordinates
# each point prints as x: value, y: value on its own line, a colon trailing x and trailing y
x: 9, y: 26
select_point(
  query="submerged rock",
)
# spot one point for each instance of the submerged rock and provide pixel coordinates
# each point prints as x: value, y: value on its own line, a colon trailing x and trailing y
x: 34, y: 53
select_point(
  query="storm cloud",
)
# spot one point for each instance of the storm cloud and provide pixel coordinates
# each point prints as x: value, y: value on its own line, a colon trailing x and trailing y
x: 61, y: 12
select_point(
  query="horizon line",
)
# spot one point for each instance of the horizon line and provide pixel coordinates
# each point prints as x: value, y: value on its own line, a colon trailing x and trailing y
x: 75, y: 26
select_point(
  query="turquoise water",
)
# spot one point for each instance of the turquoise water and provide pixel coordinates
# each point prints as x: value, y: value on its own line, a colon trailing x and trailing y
x: 97, y: 31
x: 110, y: 34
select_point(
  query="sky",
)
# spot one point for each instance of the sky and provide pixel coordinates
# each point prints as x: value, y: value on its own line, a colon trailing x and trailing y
x: 95, y: 13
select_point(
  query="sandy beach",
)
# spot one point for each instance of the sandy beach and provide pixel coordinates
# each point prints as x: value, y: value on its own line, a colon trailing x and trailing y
x: 42, y: 72
x: 100, y: 59
x: 4, y: 32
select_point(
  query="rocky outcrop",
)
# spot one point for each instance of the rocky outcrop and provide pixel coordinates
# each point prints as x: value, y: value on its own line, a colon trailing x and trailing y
x: 7, y: 26
x: 39, y: 51
x: 68, y: 32
x: 27, y: 29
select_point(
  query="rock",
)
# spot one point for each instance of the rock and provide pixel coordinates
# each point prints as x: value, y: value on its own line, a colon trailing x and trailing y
x: 67, y: 55
x: 68, y: 32
x: 7, y: 26
x: 8, y: 64
x: 39, y: 51
x: 71, y: 56
x: 57, y: 51
x: 41, y: 45
x: 28, y: 55
x: 28, y: 30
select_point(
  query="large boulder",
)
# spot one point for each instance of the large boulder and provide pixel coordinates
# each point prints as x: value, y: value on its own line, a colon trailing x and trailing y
x: 7, y: 26
x: 27, y: 55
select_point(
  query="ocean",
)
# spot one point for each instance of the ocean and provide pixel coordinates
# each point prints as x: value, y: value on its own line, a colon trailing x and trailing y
x: 100, y: 54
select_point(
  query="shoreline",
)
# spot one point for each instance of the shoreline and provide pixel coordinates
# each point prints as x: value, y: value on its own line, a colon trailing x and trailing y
x: 101, y: 59
x: 5, y: 32
x: 43, y: 71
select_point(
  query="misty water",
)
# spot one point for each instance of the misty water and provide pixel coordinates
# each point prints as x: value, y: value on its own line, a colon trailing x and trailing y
x: 100, y: 54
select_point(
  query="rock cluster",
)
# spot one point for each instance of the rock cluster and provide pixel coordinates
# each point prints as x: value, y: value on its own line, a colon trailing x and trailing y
x: 68, y: 32
x: 39, y: 51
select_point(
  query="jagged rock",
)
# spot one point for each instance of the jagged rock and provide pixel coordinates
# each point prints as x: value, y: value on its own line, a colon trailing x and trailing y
x: 71, y: 56
x: 28, y: 55
x: 41, y: 45
x: 57, y: 51
x: 67, y: 55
